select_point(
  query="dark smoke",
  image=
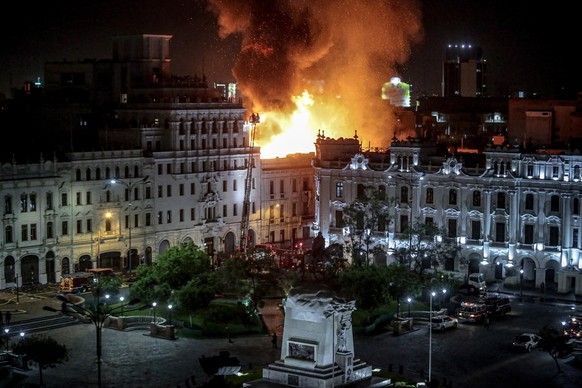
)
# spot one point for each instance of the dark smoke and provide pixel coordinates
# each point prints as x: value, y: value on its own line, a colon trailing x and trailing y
x: 341, y: 51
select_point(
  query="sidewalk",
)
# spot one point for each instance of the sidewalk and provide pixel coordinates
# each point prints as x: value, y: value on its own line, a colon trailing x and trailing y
x: 534, y: 293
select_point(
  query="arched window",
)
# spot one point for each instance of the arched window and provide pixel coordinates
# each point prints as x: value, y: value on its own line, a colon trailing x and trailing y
x: 135, y: 171
x: 78, y: 175
x: 126, y: 172
x: 404, y: 194
x: 8, y: 234
x: 107, y: 173
x: 88, y: 174
x: 429, y: 195
x: 98, y: 174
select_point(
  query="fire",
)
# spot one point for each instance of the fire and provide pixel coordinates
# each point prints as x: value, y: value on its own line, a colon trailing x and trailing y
x: 298, y: 133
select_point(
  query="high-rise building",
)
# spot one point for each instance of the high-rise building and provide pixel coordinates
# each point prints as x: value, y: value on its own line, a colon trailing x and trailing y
x: 464, y: 71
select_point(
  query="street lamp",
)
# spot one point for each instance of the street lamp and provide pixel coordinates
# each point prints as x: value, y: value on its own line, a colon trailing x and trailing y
x: 6, y: 330
x: 121, y: 299
x: 170, y: 311
x: 409, y: 302
x: 432, y: 294
x: 521, y: 282
x: 129, y: 187
x: 97, y: 313
x: 154, y: 308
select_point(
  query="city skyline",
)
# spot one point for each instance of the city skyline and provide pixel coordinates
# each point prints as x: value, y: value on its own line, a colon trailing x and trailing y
x: 523, y: 46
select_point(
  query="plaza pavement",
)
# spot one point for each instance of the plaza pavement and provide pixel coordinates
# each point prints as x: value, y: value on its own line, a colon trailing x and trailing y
x: 134, y: 359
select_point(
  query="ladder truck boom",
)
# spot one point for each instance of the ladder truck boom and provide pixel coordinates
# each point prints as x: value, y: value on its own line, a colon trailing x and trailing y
x: 244, y: 229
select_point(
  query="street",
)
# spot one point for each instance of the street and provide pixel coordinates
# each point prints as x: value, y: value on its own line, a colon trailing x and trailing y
x: 469, y: 356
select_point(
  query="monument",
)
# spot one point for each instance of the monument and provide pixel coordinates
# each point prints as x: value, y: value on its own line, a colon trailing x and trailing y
x: 317, y: 346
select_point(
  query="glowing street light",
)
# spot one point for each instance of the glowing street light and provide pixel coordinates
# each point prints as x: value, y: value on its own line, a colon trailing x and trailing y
x: 6, y: 330
x: 521, y: 282
x: 409, y: 302
x: 170, y: 311
x: 432, y: 294
x: 154, y: 308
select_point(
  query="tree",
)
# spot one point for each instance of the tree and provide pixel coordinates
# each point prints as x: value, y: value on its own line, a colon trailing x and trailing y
x: 554, y: 343
x: 425, y: 247
x: 43, y: 351
x: 368, y: 285
x: 367, y: 214
x: 178, y: 270
x: 401, y: 281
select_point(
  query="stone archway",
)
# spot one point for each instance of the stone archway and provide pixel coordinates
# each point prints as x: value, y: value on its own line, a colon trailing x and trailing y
x: 29, y: 267
x: 50, y: 265
x: 9, y: 269
x: 65, y: 266
x: 85, y: 263
x: 229, y: 243
x: 164, y: 244
x: 500, y: 262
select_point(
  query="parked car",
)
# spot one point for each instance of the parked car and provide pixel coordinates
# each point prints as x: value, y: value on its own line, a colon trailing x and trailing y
x: 526, y: 341
x: 443, y: 322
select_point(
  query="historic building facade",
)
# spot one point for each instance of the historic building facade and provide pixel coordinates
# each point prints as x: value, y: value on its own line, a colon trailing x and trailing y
x: 517, y: 211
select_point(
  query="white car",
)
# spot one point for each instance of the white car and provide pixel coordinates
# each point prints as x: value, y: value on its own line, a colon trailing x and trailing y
x: 526, y: 341
x: 443, y: 322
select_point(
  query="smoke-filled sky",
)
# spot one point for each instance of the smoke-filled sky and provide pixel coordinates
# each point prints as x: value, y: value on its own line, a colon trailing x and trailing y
x: 341, y: 51
x: 338, y: 48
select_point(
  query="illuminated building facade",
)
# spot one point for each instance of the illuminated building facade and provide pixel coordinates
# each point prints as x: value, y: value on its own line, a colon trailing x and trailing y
x: 516, y: 211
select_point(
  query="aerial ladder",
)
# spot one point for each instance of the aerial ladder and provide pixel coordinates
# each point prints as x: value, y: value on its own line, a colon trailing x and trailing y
x: 244, y: 228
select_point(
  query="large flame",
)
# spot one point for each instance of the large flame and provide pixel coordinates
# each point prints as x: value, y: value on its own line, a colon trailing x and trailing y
x: 299, y: 129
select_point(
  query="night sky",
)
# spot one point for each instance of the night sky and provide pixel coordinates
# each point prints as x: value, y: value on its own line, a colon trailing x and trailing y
x: 528, y: 46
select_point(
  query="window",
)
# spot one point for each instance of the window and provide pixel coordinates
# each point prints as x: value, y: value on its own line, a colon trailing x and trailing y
x: 529, y: 201
x: 49, y: 201
x: 23, y: 202
x: 235, y: 210
x: 136, y: 220
x: 169, y: 190
x: 429, y: 195
x: 160, y: 169
x: 282, y: 187
x: 88, y: 198
x: 32, y: 202
x: 169, y: 216
x: 452, y: 196
x: 403, y: 224
x: 224, y: 187
x: 339, y: 189
x: 294, y: 209
x: 127, y: 225
x: 192, y: 188
x: 555, y: 203
x: 64, y: 199
x: 381, y: 223
x: 160, y: 218
x: 79, y: 226
x: 452, y: 229
x: 339, y: 219
x: 89, y: 225
x: 108, y: 225
x: 528, y: 234
x: 500, y: 200
x: 148, y: 192
x: 575, y: 238
x: 65, y: 228
x: 50, y: 233
x: 271, y: 188
x: 192, y: 214
x: 294, y: 185
x: 530, y: 170
x: 475, y: 229
x: 8, y: 204
x: 476, y: 198
x: 224, y: 211
x: 160, y: 191
x: 24, y: 232
x: 8, y: 235
x: 253, y: 207
x: 554, y: 236
x: 148, y: 219
x: 576, y: 206
x: 234, y: 187
x: 79, y: 198
x: 181, y: 215
x: 404, y: 194
x: 500, y: 232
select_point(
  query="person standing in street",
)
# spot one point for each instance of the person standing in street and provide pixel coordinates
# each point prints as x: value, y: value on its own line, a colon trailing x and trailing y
x: 274, y: 340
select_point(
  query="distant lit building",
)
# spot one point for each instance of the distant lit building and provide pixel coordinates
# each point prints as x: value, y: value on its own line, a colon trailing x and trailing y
x: 464, y: 71
x: 397, y: 92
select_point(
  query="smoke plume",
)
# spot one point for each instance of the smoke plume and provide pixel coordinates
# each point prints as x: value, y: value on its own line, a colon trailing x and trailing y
x: 340, y: 51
